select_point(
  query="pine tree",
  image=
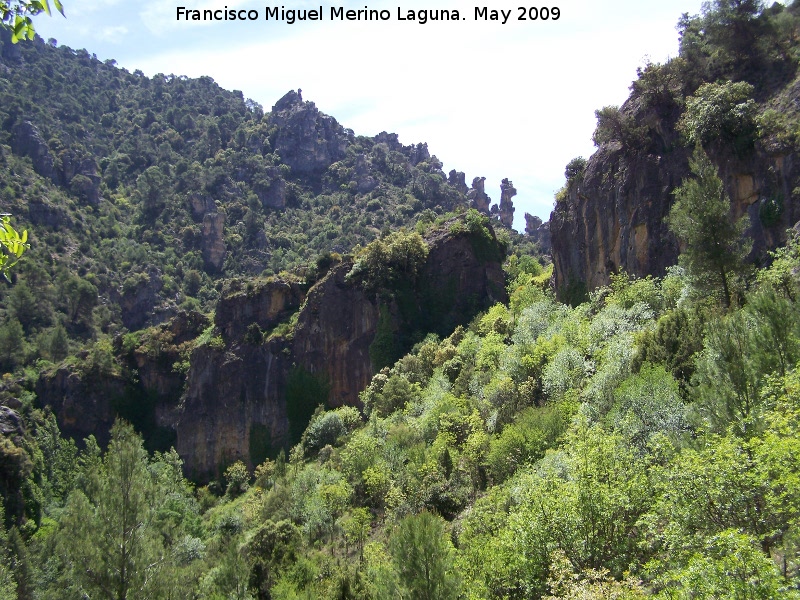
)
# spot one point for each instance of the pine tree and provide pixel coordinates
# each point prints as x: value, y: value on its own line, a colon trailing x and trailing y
x: 714, y: 249
x: 113, y: 547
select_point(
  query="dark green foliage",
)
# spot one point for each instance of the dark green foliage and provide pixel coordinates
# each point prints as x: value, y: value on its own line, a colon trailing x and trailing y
x: 260, y: 443
x: 110, y: 549
x: 384, y: 350
x: 715, y: 247
x: 253, y: 335
x: 674, y: 343
x: 396, y: 393
x: 273, y: 547
x: 12, y: 340
x: 770, y: 210
x: 524, y: 441
x: 20, y: 565
x: 575, y: 168
x: 423, y: 557
x: 305, y: 391
x: 615, y: 125
x: 484, y: 243
x: 138, y: 407
x: 58, y: 344
x: 574, y: 293
x: 237, y: 479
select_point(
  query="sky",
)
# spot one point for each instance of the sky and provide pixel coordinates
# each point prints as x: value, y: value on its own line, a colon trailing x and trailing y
x: 491, y: 99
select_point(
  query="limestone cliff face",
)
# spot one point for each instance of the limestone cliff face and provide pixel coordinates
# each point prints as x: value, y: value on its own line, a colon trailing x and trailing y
x: 235, y: 404
x: 81, y: 402
x: 231, y: 409
x: 613, y: 216
x: 264, y: 304
x: 334, y: 332
x: 235, y: 401
x: 87, y: 402
x: 213, y: 242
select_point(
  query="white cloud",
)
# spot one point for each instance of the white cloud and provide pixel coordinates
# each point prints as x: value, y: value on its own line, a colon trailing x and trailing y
x: 113, y: 34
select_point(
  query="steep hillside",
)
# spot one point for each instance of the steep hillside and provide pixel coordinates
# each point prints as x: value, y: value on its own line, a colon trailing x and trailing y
x: 734, y: 90
x: 143, y: 194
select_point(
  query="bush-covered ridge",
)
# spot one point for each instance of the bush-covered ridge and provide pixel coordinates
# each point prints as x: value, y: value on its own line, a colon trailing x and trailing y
x: 142, y: 195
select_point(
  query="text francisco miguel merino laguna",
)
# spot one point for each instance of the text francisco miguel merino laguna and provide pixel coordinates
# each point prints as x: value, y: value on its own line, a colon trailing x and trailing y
x: 337, y: 13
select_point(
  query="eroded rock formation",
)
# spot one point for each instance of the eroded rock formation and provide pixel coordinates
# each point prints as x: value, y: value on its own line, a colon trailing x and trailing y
x: 236, y: 405
x: 538, y: 231
x: 477, y: 196
x: 306, y: 139
x: 507, y: 192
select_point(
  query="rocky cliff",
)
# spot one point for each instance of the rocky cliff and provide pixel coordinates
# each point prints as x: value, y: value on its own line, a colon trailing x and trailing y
x: 611, y: 215
x: 245, y: 386
x: 252, y: 390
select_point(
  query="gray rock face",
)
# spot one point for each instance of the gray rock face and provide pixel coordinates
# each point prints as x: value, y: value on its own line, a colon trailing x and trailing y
x: 507, y: 192
x: 82, y: 404
x: 10, y: 422
x: 272, y: 195
x: 457, y: 179
x: 477, y: 196
x: 538, y: 231
x: 27, y: 141
x: 306, y: 140
x: 137, y: 302
x: 264, y: 303
x: 236, y: 397
x: 365, y: 182
x: 418, y: 153
x: 213, y: 243
x: 79, y: 173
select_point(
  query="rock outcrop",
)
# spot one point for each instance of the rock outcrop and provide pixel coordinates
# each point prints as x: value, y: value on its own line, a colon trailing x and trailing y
x: 213, y: 242
x: 457, y: 179
x: 232, y: 393
x: 306, y: 139
x: 237, y: 403
x: 614, y: 213
x: 477, y: 196
x: 507, y: 192
x: 82, y: 402
x: 538, y: 232
x: 27, y: 141
x: 273, y: 192
x: 263, y: 303
x: 138, y: 297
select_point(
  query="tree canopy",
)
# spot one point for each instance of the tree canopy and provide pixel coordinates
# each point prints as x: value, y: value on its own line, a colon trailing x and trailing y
x: 16, y: 16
